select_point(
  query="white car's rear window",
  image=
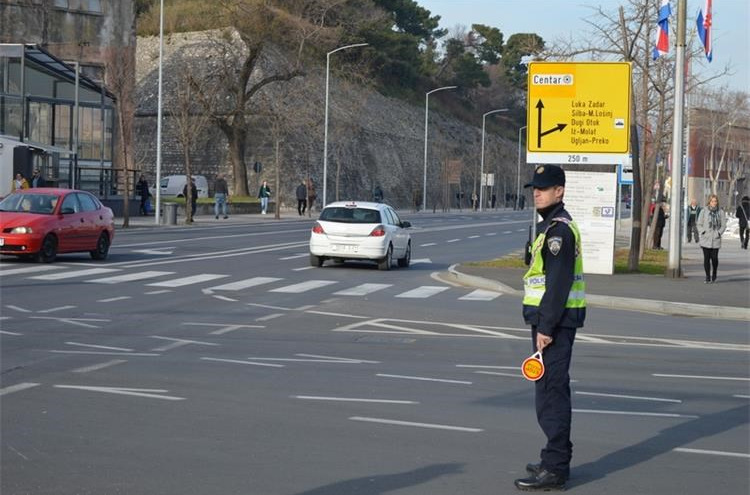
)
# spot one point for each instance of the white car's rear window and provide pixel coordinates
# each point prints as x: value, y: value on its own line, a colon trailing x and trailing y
x: 350, y: 215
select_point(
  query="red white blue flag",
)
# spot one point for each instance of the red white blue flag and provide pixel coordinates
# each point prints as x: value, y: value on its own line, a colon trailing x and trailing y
x: 662, y: 33
x: 704, y: 21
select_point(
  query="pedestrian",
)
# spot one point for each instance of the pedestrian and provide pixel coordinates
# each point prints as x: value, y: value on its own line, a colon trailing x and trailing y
x: 661, y: 220
x: 141, y: 187
x: 554, y: 304
x: 193, y: 197
x: 37, y: 180
x: 19, y: 182
x: 712, y: 222
x: 494, y: 200
x: 693, y: 212
x: 301, y: 198
x: 221, y: 196
x: 263, y: 194
x: 743, y: 215
x: 522, y: 202
x: 474, y: 201
x: 377, y: 194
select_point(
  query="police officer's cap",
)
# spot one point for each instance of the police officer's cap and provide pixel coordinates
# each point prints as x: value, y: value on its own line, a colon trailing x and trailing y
x: 547, y: 176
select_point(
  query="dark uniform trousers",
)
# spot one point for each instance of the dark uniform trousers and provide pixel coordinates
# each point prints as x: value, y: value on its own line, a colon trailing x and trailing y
x: 553, y: 406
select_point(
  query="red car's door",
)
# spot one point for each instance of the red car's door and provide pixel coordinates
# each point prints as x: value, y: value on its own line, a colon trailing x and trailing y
x: 71, y: 230
x: 92, y: 220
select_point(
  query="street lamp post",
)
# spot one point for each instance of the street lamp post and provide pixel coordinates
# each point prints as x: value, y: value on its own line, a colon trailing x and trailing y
x: 325, y: 132
x: 426, y: 113
x: 518, y: 166
x: 157, y: 211
x: 481, y: 166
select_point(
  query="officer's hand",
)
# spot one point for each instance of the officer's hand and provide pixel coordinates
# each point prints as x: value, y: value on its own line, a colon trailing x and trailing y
x: 542, y: 341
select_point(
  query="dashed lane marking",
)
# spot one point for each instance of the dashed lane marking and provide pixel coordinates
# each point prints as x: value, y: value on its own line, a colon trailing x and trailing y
x: 129, y: 277
x: 396, y: 422
x: 74, y: 274
x: 17, y: 388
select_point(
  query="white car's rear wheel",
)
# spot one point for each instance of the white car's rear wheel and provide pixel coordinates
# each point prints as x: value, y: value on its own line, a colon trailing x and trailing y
x: 385, y: 263
x: 404, y: 262
x: 316, y: 261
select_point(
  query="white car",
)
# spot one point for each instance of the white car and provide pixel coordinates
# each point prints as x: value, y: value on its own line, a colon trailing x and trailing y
x: 172, y: 185
x: 347, y: 230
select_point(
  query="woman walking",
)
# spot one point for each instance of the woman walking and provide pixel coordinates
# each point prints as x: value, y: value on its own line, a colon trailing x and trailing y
x: 712, y: 222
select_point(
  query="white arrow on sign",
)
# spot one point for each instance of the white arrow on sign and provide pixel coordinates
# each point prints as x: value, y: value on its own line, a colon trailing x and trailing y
x: 151, y: 393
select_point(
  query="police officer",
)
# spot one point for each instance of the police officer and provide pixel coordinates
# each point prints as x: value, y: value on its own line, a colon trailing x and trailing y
x: 554, y: 305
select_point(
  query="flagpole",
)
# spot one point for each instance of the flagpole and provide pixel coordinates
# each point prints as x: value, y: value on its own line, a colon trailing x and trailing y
x: 674, y: 269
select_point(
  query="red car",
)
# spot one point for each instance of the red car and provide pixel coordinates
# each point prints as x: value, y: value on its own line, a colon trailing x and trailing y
x: 40, y: 223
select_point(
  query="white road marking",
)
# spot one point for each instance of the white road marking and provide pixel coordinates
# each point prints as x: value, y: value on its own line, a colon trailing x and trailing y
x: 316, y: 358
x: 268, y: 306
x: 418, y: 425
x: 452, y: 240
x: 480, y: 295
x: 421, y: 261
x: 422, y: 292
x: 113, y: 299
x: 224, y: 298
x: 699, y: 377
x: 78, y: 273
x: 181, y: 282
x: 473, y: 236
x: 18, y: 308
x: 17, y: 388
x: 150, y: 393
x: 5, y: 332
x: 158, y: 252
x: 633, y: 413
x: 507, y: 232
x: 491, y: 234
x: 123, y: 349
x: 155, y: 292
x: 96, y: 367
x: 428, y: 244
x: 713, y: 452
x: 269, y: 317
x: 362, y: 290
x: 223, y: 327
x: 500, y: 373
x: 33, y: 269
x: 304, y: 286
x: 244, y: 284
x: 73, y: 321
x: 634, y: 397
x: 352, y: 399
x: 521, y: 230
x: 104, y: 353
x: 339, y: 315
x: 177, y: 343
x: 487, y: 367
x: 52, y: 310
x: 237, y: 361
x: 424, y: 379
x: 303, y: 268
x: 295, y: 256
x: 129, y: 277
x: 738, y: 396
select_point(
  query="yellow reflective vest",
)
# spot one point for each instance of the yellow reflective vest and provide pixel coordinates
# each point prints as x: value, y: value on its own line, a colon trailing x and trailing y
x: 534, y: 282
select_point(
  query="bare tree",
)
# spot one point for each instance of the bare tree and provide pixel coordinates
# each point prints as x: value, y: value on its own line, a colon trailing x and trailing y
x: 189, y: 123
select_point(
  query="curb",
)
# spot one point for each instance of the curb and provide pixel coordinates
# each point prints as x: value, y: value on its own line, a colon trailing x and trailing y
x: 670, y: 308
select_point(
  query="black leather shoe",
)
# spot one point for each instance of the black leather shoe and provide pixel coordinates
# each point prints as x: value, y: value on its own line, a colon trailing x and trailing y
x: 544, y: 481
x: 534, y: 468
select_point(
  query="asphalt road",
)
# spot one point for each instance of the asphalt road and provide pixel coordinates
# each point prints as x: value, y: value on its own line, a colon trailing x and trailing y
x: 215, y: 360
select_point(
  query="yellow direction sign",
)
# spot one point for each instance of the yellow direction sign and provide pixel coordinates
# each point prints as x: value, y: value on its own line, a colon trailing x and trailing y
x: 576, y: 109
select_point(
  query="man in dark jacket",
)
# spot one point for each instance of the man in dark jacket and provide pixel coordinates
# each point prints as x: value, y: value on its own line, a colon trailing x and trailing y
x: 141, y: 188
x: 661, y: 220
x: 301, y: 198
x: 743, y: 215
x: 554, y: 304
x: 193, y: 197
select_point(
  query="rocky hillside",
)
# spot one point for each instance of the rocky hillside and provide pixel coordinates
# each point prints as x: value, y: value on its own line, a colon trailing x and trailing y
x: 372, y: 139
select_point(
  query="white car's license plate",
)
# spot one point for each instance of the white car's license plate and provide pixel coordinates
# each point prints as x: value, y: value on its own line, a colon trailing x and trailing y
x: 346, y: 248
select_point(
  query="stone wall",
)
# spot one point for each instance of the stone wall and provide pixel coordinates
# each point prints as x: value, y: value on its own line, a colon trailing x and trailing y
x: 372, y: 139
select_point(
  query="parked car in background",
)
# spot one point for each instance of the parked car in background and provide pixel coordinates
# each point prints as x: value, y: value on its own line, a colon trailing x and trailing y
x: 42, y: 223
x: 348, y: 230
x: 172, y: 185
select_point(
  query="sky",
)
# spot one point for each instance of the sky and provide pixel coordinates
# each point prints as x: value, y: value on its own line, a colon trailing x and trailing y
x: 564, y: 19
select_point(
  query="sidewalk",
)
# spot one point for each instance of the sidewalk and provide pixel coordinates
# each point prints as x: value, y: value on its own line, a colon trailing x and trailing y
x: 209, y: 220
x: 727, y: 298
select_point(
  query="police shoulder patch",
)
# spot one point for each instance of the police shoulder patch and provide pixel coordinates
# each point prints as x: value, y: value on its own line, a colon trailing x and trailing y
x: 554, y: 244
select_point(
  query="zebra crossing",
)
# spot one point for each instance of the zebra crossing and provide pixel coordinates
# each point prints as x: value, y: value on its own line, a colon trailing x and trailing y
x: 208, y: 283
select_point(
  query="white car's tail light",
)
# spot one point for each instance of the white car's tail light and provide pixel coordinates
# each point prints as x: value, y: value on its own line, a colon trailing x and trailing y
x: 318, y: 229
x: 378, y: 231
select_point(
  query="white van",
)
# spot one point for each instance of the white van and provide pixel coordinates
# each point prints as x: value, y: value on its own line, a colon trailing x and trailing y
x: 172, y: 185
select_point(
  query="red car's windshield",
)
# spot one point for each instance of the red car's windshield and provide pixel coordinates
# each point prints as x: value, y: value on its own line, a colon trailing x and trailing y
x: 30, y: 203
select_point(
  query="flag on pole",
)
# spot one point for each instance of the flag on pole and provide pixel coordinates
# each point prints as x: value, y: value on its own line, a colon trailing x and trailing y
x: 662, y: 33
x: 704, y: 21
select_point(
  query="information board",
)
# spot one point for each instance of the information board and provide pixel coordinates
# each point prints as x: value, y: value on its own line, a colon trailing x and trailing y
x: 578, y: 112
x: 591, y: 199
